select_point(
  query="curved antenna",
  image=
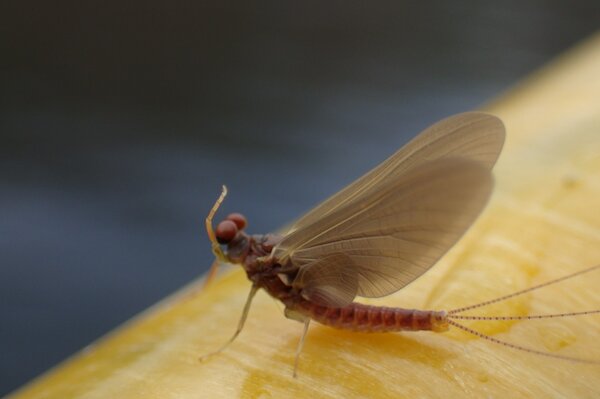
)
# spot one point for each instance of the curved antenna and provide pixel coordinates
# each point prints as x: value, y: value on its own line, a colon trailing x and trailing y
x: 216, y: 248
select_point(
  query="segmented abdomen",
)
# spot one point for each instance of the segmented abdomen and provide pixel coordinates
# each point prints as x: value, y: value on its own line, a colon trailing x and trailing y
x: 367, y: 318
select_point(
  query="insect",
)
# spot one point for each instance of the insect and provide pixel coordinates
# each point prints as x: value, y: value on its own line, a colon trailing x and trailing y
x: 377, y: 235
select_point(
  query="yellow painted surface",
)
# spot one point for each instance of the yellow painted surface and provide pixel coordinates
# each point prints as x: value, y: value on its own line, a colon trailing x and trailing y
x: 543, y: 222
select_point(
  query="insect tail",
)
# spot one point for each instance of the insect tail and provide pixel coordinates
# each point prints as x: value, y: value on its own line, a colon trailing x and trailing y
x: 529, y: 317
x: 522, y: 348
x: 530, y: 289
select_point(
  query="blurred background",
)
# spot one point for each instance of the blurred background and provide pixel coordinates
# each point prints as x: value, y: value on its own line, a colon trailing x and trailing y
x: 119, y: 121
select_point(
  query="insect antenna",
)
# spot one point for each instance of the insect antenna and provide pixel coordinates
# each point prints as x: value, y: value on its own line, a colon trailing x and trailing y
x: 216, y: 248
x: 530, y: 289
x: 522, y: 348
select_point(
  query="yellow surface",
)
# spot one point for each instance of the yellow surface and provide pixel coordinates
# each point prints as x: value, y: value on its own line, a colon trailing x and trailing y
x: 543, y: 222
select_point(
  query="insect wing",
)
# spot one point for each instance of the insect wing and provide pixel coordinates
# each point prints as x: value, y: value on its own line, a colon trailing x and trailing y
x: 399, y: 219
x: 472, y: 135
x: 331, y: 280
x: 394, y: 235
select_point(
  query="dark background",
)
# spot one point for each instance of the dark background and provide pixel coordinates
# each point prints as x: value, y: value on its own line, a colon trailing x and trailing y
x: 119, y: 121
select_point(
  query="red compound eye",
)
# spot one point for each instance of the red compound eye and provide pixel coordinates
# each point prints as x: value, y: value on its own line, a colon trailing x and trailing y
x: 226, y: 231
x: 239, y: 220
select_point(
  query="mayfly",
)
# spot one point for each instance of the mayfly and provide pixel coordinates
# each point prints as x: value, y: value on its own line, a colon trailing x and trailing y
x: 377, y: 235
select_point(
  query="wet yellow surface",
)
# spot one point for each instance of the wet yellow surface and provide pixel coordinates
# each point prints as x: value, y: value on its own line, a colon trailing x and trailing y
x: 543, y: 222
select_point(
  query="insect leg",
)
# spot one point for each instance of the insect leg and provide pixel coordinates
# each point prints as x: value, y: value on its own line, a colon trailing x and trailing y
x: 212, y: 272
x: 300, y: 346
x: 240, y: 326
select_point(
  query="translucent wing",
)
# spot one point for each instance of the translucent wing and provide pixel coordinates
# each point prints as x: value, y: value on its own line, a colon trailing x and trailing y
x: 331, y: 280
x: 472, y: 135
x: 395, y: 234
x: 399, y: 219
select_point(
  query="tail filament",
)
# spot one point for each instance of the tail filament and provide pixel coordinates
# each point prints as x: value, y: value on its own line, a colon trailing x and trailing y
x: 453, y: 315
x: 531, y: 317
x: 514, y: 294
x: 522, y: 348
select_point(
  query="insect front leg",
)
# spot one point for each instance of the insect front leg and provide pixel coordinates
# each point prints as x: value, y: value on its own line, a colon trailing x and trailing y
x: 240, y: 326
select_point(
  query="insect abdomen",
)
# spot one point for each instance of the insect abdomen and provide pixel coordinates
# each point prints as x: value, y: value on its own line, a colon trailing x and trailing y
x: 367, y: 318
